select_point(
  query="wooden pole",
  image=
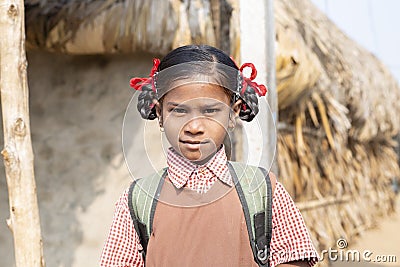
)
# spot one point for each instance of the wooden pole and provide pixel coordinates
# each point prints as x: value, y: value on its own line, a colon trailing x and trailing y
x: 17, y: 153
x: 321, y: 203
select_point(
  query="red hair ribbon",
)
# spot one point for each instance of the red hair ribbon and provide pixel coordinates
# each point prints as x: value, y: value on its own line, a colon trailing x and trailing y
x: 260, y: 89
x: 137, y: 83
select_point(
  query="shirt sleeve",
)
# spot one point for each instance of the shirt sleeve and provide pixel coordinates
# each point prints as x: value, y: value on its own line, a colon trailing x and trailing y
x: 291, y: 240
x: 122, y: 246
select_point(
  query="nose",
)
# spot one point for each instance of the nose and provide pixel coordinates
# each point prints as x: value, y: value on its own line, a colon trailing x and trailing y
x: 194, y: 127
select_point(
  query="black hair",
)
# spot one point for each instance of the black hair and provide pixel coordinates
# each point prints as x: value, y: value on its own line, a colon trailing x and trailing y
x: 192, y: 54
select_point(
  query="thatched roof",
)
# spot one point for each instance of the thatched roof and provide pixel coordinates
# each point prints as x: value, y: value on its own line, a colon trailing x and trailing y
x: 97, y: 27
x: 338, y: 112
x: 323, y: 59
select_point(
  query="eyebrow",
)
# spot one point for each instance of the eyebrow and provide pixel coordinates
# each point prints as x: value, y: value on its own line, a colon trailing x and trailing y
x: 217, y: 104
x: 177, y: 104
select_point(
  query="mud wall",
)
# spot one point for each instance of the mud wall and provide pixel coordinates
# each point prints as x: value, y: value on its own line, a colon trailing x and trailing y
x: 77, y: 106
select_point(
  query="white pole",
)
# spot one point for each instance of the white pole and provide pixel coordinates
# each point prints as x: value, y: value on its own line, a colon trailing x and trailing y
x: 272, y: 121
x: 257, y: 46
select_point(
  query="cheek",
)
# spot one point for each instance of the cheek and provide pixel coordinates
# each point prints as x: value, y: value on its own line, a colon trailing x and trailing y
x: 218, y: 127
x: 172, y: 135
x: 222, y: 119
x: 173, y: 127
x: 173, y: 122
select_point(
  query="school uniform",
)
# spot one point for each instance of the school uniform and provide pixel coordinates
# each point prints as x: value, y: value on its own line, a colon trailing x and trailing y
x: 186, y: 232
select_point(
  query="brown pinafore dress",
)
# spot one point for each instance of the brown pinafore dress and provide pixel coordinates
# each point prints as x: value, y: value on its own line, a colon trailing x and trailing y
x: 192, y: 229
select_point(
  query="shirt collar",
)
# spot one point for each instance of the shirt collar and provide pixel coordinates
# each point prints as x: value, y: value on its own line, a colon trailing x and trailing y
x: 180, y: 168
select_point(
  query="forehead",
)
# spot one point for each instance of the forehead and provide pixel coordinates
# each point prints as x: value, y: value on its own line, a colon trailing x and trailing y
x: 197, y: 92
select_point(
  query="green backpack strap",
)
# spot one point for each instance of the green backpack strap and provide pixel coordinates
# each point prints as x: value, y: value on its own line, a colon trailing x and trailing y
x: 254, y: 189
x: 143, y: 196
x: 266, y: 235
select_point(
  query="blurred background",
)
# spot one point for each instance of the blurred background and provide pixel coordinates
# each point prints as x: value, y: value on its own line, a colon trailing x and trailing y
x: 371, y: 23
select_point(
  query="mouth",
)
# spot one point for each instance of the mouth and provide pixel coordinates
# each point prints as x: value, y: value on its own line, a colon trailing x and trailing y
x: 193, y: 144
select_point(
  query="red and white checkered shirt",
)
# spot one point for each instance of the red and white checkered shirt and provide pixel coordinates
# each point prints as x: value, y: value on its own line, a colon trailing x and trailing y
x: 200, y: 178
x: 290, y: 238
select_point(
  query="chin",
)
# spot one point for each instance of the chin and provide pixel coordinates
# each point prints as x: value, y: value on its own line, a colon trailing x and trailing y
x: 198, y: 155
x: 198, y: 158
x: 193, y: 156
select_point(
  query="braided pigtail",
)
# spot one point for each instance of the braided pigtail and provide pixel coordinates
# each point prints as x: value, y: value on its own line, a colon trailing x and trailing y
x: 249, y: 92
x: 249, y: 107
x: 145, y: 104
x: 148, y: 92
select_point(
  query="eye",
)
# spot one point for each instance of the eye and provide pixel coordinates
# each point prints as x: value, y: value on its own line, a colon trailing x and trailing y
x: 179, y: 110
x: 211, y: 110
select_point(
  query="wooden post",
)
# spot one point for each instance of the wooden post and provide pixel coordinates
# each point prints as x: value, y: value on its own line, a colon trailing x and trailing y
x: 17, y: 153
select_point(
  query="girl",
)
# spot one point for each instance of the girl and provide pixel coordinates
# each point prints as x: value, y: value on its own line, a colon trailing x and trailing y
x: 196, y: 92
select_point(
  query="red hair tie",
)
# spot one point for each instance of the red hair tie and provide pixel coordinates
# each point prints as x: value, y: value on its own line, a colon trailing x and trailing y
x: 137, y: 83
x: 260, y: 89
x: 156, y: 63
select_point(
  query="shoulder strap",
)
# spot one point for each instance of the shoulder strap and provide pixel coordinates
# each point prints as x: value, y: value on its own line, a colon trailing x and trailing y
x: 140, y: 227
x: 254, y: 189
x: 143, y: 197
x: 268, y: 218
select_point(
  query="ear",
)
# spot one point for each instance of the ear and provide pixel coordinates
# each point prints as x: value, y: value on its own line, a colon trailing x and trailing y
x: 158, y: 108
x: 236, y: 107
x: 234, y: 113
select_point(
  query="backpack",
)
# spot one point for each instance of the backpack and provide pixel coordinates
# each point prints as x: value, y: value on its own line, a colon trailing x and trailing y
x: 255, y: 194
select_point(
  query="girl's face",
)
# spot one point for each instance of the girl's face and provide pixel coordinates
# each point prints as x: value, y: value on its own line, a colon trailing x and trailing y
x: 196, y: 118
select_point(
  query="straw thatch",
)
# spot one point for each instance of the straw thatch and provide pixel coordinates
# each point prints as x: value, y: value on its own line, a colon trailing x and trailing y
x: 337, y: 102
x: 349, y: 73
x: 90, y: 27
x: 338, y: 111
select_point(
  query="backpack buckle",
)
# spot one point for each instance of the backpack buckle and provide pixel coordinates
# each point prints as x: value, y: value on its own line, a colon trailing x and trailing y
x: 262, y: 254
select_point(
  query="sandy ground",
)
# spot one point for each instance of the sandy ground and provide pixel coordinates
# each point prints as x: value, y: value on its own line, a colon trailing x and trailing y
x: 378, y: 244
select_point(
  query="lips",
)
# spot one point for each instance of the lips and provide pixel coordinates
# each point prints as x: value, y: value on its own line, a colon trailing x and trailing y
x: 192, y: 144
